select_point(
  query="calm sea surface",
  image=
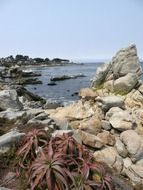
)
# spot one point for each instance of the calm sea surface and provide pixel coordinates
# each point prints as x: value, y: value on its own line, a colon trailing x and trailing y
x: 64, y: 90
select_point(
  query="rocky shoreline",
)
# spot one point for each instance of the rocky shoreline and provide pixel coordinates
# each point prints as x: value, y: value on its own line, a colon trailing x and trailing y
x: 16, y: 74
x: 108, y: 118
x: 17, y: 68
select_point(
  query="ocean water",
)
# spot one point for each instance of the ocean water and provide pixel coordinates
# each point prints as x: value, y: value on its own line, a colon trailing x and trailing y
x: 64, y: 90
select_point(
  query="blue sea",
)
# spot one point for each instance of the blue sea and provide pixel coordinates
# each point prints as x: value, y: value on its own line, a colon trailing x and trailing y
x: 64, y: 90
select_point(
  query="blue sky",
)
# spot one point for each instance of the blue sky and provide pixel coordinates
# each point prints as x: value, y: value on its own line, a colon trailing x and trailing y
x: 75, y: 29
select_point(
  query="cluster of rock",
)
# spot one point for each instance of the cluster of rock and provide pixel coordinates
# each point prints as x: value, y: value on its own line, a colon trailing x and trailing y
x: 107, y: 120
x: 110, y: 121
x: 19, y: 107
x: 22, y: 60
x: 19, y: 76
x: 122, y: 74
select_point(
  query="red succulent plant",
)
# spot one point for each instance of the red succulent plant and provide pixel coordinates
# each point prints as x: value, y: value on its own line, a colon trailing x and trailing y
x: 30, y: 145
x: 61, y: 163
x: 51, y: 168
x: 66, y: 143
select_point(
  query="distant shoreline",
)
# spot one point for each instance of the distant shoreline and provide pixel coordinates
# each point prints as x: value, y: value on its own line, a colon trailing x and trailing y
x: 51, y: 65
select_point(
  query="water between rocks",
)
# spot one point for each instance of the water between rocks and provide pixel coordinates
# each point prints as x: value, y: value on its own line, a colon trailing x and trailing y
x: 64, y: 90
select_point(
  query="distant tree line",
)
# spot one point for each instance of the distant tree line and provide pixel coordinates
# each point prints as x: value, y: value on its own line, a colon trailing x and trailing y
x: 24, y: 59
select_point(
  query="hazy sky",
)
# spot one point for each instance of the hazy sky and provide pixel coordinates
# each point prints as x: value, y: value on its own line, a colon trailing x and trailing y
x: 70, y: 28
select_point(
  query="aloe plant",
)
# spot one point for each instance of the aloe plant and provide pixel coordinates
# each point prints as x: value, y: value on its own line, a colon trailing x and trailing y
x: 101, y: 176
x: 30, y: 145
x: 51, y: 168
x: 61, y: 163
x: 66, y: 143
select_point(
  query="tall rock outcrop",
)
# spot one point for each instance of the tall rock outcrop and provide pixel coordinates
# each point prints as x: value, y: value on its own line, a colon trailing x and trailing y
x: 121, y: 75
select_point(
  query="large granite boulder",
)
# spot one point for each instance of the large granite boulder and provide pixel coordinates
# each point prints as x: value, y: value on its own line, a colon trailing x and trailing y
x: 110, y: 101
x: 107, y: 138
x: 91, y: 125
x: 126, y: 61
x: 9, y: 99
x: 109, y: 156
x: 133, y: 143
x: 135, y: 173
x: 122, y: 121
x: 134, y: 99
x: 125, y: 84
x: 89, y: 139
x: 121, y: 74
x: 112, y: 111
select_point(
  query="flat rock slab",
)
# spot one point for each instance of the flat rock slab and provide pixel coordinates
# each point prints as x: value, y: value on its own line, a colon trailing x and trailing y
x: 65, y: 77
x: 12, y: 115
